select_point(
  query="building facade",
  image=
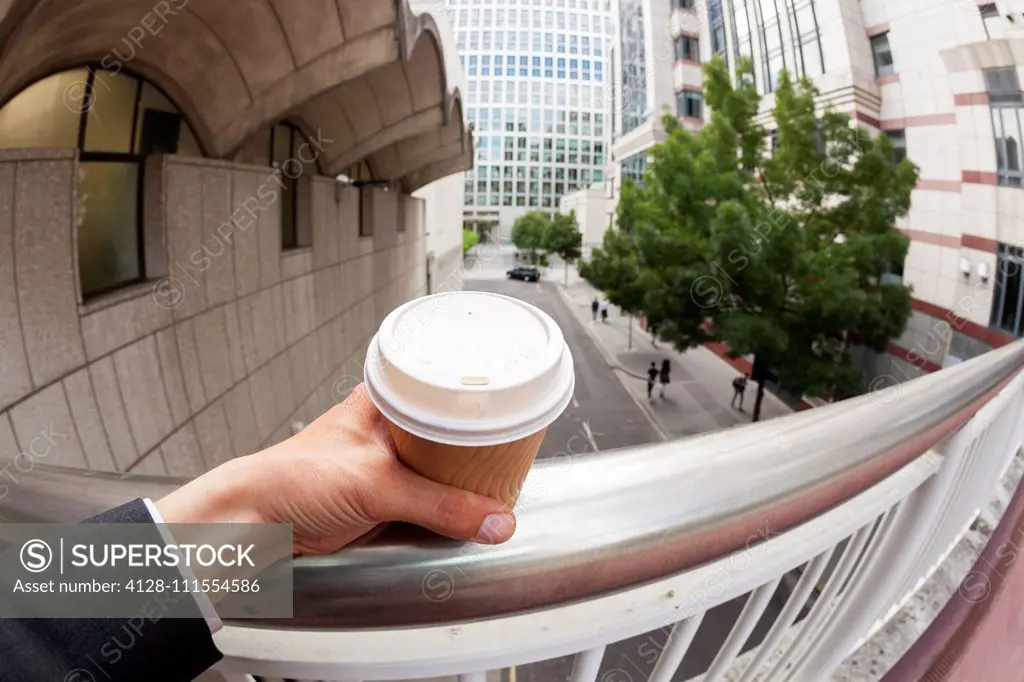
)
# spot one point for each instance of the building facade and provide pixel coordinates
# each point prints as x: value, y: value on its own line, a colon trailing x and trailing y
x: 199, y: 238
x: 537, y: 89
x: 941, y: 79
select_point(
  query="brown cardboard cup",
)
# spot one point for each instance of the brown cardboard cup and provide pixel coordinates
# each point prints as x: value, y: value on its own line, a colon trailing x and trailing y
x: 470, y: 382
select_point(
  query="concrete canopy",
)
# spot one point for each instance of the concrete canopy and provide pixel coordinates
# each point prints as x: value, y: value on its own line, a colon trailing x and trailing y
x: 368, y: 74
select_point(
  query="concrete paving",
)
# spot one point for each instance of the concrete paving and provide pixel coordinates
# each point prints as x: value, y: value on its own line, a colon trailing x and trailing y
x: 698, y: 398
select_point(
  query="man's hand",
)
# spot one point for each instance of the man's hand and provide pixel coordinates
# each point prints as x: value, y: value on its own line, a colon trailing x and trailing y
x: 334, y: 482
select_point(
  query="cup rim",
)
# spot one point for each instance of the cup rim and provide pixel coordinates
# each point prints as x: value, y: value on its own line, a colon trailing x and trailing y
x: 467, y: 432
x: 553, y: 352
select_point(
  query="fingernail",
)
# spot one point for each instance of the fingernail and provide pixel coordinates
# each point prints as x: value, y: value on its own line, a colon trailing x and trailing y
x: 495, y: 529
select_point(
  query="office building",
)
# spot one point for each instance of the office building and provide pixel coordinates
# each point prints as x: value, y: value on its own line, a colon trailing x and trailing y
x: 537, y: 79
x: 941, y: 79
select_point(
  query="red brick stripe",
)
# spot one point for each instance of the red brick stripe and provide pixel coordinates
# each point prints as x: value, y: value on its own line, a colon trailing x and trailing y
x: 939, y: 185
x: 889, y: 78
x: 946, y: 240
x: 919, y: 121
x: 970, y: 241
x: 864, y: 118
x: 967, y: 99
x: 914, y: 358
x: 992, y: 337
x: 979, y: 177
x: 877, y: 30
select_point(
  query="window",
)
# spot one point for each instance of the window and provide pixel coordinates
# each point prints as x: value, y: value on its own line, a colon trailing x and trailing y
x: 804, y: 24
x: 687, y: 48
x: 683, y: 4
x: 716, y: 25
x: 1002, y: 85
x: 96, y: 112
x: 634, y: 167
x: 284, y: 144
x: 898, y: 139
x: 689, y: 104
x: 634, y: 58
x: 995, y: 27
x: 773, y: 58
x: 883, y: 55
x: 741, y: 36
x: 1007, y: 112
x: 1007, y: 294
x: 1006, y: 125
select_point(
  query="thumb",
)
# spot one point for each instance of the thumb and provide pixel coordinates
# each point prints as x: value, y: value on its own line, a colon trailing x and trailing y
x: 449, y: 511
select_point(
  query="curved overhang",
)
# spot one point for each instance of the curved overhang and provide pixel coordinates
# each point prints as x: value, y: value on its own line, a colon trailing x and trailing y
x: 364, y: 74
x: 453, y: 158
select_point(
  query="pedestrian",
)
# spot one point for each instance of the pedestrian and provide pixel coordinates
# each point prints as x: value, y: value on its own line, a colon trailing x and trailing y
x: 739, y: 385
x: 604, y: 311
x: 663, y: 376
x: 652, y: 376
x: 654, y: 336
x: 593, y: 308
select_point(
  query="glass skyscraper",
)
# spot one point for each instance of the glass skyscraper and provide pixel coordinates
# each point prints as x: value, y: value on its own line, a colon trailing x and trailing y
x: 538, y: 82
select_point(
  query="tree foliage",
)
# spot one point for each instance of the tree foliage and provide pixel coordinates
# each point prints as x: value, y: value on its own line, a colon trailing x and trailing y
x: 778, y: 254
x: 469, y: 240
x: 564, y: 238
x: 529, y: 232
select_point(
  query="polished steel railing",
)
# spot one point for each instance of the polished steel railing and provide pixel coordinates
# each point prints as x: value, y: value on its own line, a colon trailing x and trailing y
x: 870, y: 493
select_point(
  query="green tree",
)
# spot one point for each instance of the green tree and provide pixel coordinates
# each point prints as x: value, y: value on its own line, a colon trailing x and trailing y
x: 469, y: 240
x: 779, y: 254
x: 563, y: 237
x: 529, y: 233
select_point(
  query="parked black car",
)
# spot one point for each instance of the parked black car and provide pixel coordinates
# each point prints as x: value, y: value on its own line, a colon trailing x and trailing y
x: 527, y: 273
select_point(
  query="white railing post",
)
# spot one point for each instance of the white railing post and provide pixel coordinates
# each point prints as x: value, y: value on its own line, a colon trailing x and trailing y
x: 752, y: 612
x: 586, y: 665
x: 678, y: 644
x: 932, y: 518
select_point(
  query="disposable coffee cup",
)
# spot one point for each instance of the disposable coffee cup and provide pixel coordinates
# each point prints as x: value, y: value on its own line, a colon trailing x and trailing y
x: 469, y: 383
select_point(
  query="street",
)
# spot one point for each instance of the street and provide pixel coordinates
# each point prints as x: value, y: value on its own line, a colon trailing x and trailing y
x: 603, y: 416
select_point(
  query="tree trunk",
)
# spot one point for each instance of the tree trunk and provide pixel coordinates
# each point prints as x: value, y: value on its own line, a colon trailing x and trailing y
x: 757, y: 401
x: 758, y: 375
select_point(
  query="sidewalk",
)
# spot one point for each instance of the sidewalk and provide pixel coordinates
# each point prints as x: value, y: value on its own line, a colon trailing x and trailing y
x: 698, y: 398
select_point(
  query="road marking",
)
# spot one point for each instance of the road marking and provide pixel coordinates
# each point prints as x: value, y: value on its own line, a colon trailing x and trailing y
x: 590, y: 435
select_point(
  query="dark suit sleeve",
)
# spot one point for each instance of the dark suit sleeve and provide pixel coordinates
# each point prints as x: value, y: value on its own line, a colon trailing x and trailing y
x: 110, y: 650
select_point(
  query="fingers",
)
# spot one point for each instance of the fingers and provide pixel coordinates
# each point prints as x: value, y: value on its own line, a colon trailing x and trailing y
x: 445, y: 510
x: 407, y: 496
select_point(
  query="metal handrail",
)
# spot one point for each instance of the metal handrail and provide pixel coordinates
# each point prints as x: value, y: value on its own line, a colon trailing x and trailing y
x: 592, y: 524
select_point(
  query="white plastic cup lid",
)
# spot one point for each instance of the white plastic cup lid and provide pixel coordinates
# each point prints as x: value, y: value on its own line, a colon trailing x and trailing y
x: 469, y: 368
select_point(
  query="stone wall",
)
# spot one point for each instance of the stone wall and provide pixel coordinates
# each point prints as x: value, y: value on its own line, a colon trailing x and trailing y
x: 232, y: 344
